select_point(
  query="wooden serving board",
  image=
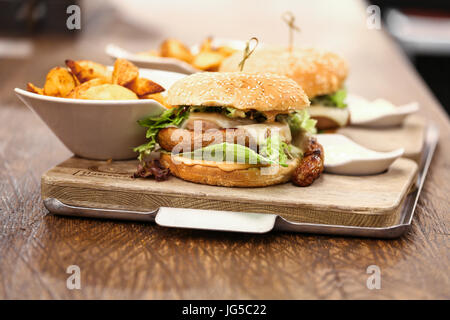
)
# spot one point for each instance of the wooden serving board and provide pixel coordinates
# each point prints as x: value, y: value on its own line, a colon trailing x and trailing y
x: 369, y: 201
x: 410, y: 136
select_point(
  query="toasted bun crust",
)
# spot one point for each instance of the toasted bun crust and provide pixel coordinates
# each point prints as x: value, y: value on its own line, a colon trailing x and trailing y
x: 244, y: 91
x: 251, y: 177
x: 317, y: 72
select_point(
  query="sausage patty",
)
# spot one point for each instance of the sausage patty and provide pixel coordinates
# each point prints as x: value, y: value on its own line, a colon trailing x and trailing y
x: 189, y: 140
x: 311, y: 166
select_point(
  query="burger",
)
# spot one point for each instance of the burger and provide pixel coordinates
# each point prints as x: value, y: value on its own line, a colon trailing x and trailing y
x: 321, y: 74
x: 236, y: 130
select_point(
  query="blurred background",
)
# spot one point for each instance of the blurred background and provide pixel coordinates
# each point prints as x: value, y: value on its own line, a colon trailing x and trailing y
x: 32, y: 29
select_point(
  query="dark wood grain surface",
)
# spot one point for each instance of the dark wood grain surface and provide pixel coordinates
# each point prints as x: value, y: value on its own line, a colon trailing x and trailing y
x: 135, y: 260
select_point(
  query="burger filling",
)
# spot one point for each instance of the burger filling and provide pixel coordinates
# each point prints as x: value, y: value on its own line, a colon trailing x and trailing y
x: 331, y: 106
x: 228, y: 135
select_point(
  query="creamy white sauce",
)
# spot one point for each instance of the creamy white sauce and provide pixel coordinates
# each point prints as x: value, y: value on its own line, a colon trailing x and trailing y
x: 363, y: 110
x: 335, y: 154
x: 339, y: 149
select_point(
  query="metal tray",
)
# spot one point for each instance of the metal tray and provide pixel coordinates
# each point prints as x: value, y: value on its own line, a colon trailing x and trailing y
x: 259, y: 222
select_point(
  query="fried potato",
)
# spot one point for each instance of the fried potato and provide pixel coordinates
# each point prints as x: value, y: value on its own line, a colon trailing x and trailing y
x: 86, y: 70
x: 143, y: 86
x: 79, y: 91
x: 59, y: 82
x: 124, y: 72
x: 172, y: 48
x: 32, y: 88
x: 225, y: 51
x: 108, y: 92
x: 158, y: 97
x: 206, y: 45
x: 208, y: 61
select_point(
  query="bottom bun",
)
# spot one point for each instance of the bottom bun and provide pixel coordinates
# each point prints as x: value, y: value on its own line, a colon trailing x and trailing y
x: 213, y: 175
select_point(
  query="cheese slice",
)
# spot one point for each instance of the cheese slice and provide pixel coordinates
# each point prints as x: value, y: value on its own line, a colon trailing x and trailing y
x: 259, y: 131
x: 338, y: 115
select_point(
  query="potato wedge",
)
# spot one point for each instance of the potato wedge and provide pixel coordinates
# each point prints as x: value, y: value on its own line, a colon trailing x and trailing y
x: 225, y: 51
x: 79, y: 91
x: 59, y: 82
x: 124, y: 72
x: 158, y: 97
x: 108, y: 92
x: 208, y: 60
x: 175, y: 49
x: 86, y: 70
x: 32, y: 88
x: 206, y: 45
x: 143, y: 86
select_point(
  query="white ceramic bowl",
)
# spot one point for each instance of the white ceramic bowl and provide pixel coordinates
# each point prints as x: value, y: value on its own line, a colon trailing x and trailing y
x: 344, y: 156
x: 99, y: 129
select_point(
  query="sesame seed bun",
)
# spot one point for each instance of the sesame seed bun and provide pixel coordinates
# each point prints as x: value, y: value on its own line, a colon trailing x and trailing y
x: 317, y: 72
x: 243, y: 91
x: 253, y: 176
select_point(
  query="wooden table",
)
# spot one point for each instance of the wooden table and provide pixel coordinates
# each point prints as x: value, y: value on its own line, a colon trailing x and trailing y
x: 135, y: 260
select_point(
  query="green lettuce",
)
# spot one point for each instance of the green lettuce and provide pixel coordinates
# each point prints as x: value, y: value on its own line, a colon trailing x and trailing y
x: 172, y: 117
x: 271, y: 151
x: 300, y: 120
x: 336, y: 99
x: 228, y: 152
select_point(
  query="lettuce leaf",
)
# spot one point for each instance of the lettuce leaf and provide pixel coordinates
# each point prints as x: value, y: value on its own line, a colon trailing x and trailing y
x: 300, y: 120
x: 274, y: 149
x: 228, y: 152
x: 271, y: 151
x: 170, y: 117
x: 336, y: 99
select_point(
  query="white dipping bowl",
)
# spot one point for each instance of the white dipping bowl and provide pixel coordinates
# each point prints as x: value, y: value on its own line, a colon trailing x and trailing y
x: 99, y: 129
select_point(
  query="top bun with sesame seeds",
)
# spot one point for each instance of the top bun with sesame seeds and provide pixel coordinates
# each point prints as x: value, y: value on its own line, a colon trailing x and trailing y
x: 317, y: 72
x: 239, y: 90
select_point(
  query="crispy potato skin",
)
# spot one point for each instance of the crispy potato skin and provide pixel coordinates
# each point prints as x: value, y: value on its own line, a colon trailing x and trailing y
x: 189, y: 140
x: 124, y: 72
x: 85, y: 70
x: 85, y: 79
x: 208, y: 60
x: 143, y: 86
x: 59, y: 82
x: 311, y: 166
x: 172, y: 48
x: 32, y: 88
